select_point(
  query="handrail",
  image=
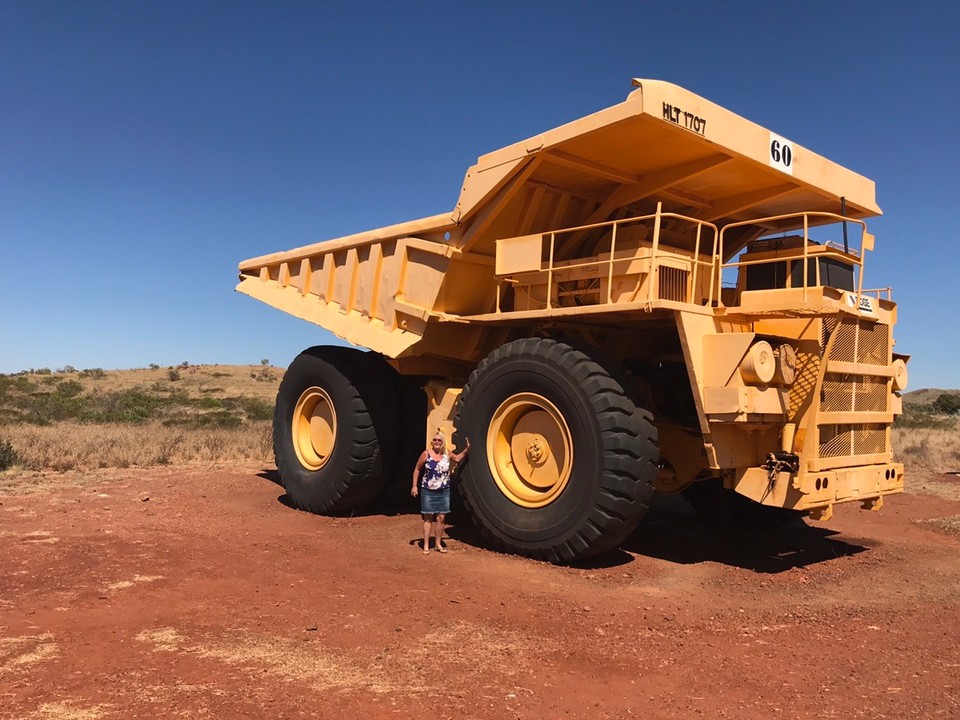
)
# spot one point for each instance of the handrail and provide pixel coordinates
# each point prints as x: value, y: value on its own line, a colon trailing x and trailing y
x: 655, y: 254
x: 876, y: 292
x: 854, y: 257
x: 715, y: 266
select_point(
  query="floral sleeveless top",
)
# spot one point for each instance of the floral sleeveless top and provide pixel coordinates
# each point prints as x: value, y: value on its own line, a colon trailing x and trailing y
x: 436, y: 473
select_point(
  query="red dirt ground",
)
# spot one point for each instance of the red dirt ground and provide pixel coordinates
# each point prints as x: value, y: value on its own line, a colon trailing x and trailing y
x: 179, y: 592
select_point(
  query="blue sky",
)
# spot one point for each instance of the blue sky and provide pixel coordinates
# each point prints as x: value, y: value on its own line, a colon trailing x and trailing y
x: 147, y: 147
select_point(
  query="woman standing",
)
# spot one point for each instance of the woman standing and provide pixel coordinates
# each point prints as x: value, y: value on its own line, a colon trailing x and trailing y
x: 434, y: 487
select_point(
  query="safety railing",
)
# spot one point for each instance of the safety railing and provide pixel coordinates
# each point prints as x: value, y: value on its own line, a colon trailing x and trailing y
x: 879, y: 293
x: 531, y: 270
x: 829, y: 249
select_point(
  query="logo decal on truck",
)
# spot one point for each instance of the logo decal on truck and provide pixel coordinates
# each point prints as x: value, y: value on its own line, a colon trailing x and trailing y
x: 864, y: 305
x: 684, y: 119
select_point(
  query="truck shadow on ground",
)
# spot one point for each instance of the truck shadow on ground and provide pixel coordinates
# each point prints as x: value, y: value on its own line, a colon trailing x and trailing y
x: 671, y: 531
x: 674, y: 532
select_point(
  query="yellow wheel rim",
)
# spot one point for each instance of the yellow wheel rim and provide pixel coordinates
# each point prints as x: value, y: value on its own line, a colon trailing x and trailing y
x: 529, y: 450
x: 314, y: 428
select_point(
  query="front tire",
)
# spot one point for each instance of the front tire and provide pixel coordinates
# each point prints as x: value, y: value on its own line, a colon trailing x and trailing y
x: 564, y: 462
x: 332, y: 429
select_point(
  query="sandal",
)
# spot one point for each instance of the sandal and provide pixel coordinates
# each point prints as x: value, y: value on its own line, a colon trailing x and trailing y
x: 442, y: 549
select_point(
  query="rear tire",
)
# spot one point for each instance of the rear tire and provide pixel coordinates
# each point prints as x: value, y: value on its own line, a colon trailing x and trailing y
x: 333, y: 429
x: 563, y: 462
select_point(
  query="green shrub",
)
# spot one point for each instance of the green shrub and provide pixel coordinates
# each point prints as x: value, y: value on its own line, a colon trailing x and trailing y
x: 948, y: 404
x: 94, y: 373
x: 217, y: 419
x: 8, y: 456
x: 70, y: 388
x: 921, y: 417
x: 174, y: 375
x: 124, y: 406
x: 256, y: 409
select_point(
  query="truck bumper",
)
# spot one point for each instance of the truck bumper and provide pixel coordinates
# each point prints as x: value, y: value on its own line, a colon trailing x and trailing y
x: 866, y: 484
x: 818, y: 492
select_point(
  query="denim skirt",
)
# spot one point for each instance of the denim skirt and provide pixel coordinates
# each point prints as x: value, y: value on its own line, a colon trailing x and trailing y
x: 434, y: 501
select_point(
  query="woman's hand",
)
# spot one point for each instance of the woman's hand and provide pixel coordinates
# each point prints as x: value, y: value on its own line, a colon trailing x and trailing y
x: 459, y: 457
x: 414, y: 491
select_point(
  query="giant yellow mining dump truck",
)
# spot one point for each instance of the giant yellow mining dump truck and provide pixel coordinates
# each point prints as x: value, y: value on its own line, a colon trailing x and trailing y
x: 653, y: 298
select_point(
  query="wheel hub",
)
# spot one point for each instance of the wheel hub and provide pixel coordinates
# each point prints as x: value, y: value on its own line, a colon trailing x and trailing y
x: 314, y: 428
x: 530, y: 450
x: 536, y: 451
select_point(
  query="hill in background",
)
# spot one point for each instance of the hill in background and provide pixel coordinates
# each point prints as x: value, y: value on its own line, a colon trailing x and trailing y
x: 926, y: 396
x: 190, y: 395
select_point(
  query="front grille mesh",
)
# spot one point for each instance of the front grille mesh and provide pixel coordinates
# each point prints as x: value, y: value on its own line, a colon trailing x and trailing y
x: 858, y: 342
x: 862, y: 439
x: 854, y: 393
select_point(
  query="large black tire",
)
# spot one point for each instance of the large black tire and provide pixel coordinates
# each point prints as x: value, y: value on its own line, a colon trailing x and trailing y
x: 609, y: 480
x: 344, y: 469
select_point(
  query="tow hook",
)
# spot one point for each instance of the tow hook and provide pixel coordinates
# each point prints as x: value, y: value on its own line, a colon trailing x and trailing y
x: 781, y: 462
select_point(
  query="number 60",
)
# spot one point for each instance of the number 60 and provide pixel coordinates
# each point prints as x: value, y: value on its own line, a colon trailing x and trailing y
x: 781, y: 153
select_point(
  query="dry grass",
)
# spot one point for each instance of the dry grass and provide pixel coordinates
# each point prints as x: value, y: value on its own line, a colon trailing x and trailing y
x: 197, y: 414
x: 935, y: 449
x: 947, y: 525
x: 196, y: 380
x: 77, y: 446
x: 72, y: 445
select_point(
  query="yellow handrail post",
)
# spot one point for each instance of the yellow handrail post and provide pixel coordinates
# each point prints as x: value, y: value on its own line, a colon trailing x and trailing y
x: 654, y: 276
x: 550, y: 273
x: 806, y: 241
x: 613, y: 250
x: 696, y: 263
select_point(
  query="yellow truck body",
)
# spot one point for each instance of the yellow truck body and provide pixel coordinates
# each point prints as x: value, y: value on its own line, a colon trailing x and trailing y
x: 709, y: 271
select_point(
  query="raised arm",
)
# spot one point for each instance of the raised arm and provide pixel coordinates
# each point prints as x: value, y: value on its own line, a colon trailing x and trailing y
x: 458, y: 458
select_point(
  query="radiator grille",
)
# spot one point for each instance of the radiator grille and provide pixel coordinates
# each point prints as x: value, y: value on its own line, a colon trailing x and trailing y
x: 862, y: 439
x: 673, y: 284
x: 860, y: 341
x: 854, y: 393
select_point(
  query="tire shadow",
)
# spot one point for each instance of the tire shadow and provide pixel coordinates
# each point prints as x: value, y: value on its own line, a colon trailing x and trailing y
x: 674, y: 532
x: 271, y: 475
x: 387, y: 507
